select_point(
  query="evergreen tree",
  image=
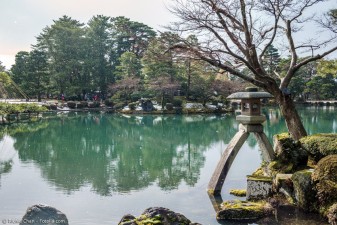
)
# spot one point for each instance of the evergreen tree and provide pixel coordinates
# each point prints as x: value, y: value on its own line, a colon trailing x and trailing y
x: 157, y: 61
x: 64, y: 42
x: 271, y: 59
x: 19, y: 71
x: 30, y: 72
x: 98, y: 46
x: 2, y: 67
x: 129, y: 66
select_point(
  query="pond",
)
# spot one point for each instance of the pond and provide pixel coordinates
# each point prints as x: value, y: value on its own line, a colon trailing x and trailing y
x: 98, y: 167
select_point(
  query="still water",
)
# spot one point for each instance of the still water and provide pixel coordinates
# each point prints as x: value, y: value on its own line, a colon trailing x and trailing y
x: 98, y: 167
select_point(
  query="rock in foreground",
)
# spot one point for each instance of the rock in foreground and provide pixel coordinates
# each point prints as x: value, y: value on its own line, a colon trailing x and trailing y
x: 156, y: 215
x: 244, y: 210
x: 43, y: 215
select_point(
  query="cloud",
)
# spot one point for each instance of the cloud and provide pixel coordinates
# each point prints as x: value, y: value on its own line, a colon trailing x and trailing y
x: 22, y: 20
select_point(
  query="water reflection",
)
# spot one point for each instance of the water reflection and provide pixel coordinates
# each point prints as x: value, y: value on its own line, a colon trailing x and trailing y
x: 118, y: 153
x: 115, y: 153
x: 6, y: 154
x: 157, y: 160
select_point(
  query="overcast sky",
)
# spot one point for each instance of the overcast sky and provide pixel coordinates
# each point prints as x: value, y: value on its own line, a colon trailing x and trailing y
x: 22, y: 20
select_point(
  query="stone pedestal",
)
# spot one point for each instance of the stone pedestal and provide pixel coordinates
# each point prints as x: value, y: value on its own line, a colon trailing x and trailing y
x: 259, y: 187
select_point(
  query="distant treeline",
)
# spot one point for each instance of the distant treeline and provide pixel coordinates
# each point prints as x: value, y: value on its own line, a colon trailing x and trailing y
x: 126, y: 60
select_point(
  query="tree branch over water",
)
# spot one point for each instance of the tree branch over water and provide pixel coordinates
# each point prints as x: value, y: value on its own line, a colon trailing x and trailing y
x: 233, y: 33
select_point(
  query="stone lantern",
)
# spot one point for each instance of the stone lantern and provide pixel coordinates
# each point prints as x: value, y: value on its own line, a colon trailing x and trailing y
x: 250, y: 121
x: 250, y: 106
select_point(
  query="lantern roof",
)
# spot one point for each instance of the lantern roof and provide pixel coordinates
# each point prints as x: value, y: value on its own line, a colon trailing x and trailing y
x: 249, y: 95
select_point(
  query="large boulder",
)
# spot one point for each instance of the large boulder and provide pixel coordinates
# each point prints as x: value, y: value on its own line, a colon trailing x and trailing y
x: 43, y: 215
x: 304, y: 191
x: 244, y: 210
x: 289, y: 153
x: 156, y: 215
x: 332, y: 214
x: 325, y: 180
x: 147, y: 105
x: 320, y: 145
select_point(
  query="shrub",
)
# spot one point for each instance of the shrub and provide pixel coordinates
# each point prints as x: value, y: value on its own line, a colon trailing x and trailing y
x: 119, y: 105
x: 177, y: 102
x: 108, y: 103
x: 34, y: 108
x: 132, y: 105
x: 83, y: 104
x: 71, y: 105
x: 93, y: 104
x: 79, y: 105
x: 135, y: 96
x: 52, y: 107
x: 169, y: 106
x: 215, y: 100
x: 73, y: 98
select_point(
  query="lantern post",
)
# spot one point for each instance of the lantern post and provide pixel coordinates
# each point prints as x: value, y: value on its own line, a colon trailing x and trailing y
x: 250, y: 121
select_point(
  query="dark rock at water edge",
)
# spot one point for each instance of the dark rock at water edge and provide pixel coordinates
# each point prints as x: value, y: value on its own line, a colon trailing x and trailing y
x: 44, y: 215
x: 157, y: 215
x: 244, y: 210
x: 147, y: 105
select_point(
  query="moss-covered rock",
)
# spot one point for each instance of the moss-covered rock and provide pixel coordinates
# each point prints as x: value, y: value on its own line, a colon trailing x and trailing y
x: 277, y: 166
x: 244, y: 210
x: 332, y: 214
x: 158, y: 216
x: 325, y: 180
x: 320, y: 145
x: 284, y: 185
x: 238, y: 193
x: 304, y: 191
x: 289, y: 152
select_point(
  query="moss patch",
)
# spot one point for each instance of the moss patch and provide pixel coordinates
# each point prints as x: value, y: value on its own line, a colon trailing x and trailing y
x: 290, y: 152
x: 156, y: 215
x: 305, y: 193
x: 260, y: 178
x: 243, y: 210
x: 238, y: 193
x: 278, y: 166
x: 325, y: 180
x: 320, y: 145
x: 332, y: 214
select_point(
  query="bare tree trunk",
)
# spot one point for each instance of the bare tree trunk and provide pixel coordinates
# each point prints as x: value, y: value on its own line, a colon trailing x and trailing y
x: 290, y: 114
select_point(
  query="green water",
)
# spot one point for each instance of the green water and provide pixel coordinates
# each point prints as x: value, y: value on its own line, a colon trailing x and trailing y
x: 97, y: 167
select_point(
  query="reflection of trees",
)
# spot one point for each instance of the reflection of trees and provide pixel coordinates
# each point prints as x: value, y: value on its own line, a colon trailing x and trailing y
x: 275, y: 123
x: 319, y: 119
x: 5, y: 167
x: 315, y: 120
x: 115, y: 153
